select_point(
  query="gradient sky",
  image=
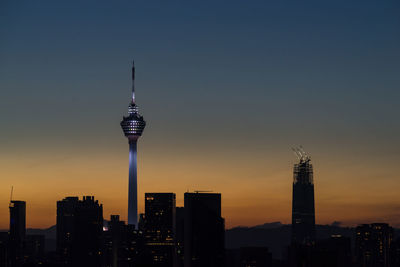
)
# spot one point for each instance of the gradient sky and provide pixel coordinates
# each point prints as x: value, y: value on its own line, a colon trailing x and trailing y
x: 226, y: 88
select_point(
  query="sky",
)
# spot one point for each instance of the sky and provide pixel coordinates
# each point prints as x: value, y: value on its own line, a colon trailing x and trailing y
x: 226, y: 87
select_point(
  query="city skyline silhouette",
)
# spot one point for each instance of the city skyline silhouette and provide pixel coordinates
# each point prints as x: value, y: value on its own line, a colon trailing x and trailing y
x: 228, y: 89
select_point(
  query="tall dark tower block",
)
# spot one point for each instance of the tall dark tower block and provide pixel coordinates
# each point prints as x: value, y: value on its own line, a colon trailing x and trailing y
x: 303, y: 211
x: 179, y: 235
x: 17, y: 232
x: 204, y: 244
x: 79, y: 231
x: 160, y: 227
x: 133, y: 126
x: 65, y: 227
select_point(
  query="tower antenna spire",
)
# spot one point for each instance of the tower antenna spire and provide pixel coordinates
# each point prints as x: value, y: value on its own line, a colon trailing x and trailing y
x: 133, y: 81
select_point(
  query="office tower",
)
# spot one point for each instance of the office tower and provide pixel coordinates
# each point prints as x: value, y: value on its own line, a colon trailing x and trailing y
x: 204, y: 228
x: 79, y: 231
x: 65, y: 227
x: 255, y: 257
x: 159, y: 227
x: 123, y: 245
x: 17, y: 232
x: 179, y: 235
x: 374, y: 245
x: 303, y: 212
x: 133, y: 126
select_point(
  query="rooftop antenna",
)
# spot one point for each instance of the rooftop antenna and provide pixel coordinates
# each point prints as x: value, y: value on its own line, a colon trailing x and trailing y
x: 133, y: 82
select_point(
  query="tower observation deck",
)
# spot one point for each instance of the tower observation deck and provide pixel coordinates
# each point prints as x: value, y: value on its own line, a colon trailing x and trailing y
x: 133, y: 126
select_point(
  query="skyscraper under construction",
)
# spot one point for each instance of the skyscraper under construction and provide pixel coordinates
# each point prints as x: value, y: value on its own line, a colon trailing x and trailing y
x: 303, y: 210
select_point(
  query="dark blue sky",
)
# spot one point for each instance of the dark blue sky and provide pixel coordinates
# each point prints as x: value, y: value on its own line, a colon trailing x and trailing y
x: 305, y: 63
x: 249, y: 77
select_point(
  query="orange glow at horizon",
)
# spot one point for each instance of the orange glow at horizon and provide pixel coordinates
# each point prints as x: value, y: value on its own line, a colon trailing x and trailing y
x: 254, y: 191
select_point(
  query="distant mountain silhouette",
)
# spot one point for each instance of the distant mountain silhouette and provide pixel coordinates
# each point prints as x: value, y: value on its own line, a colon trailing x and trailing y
x: 271, y: 225
x: 49, y: 233
x: 275, y: 236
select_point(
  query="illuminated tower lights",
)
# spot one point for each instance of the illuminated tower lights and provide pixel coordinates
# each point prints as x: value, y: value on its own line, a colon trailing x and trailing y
x: 133, y: 126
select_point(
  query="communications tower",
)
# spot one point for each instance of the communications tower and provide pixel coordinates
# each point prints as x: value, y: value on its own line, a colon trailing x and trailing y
x: 133, y: 126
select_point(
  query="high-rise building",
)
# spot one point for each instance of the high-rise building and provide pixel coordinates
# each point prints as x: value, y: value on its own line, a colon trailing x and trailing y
x: 4, y: 260
x: 113, y: 242
x: 255, y: 257
x: 396, y: 253
x: 159, y: 225
x: 65, y: 227
x: 179, y: 235
x: 332, y: 252
x: 133, y: 126
x: 79, y: 231
x: 373, y: 246
x: 204, y: 241
x: 34, y: 249
x: 303, y: 211
x: 124, y: 246
x: 17, y: 232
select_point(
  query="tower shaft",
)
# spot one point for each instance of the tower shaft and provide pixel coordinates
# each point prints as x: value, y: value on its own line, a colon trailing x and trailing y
x: 132, y: 194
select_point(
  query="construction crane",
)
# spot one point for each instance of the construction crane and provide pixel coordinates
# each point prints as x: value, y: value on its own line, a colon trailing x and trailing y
x: 301, y: 154
x: 11, y: 195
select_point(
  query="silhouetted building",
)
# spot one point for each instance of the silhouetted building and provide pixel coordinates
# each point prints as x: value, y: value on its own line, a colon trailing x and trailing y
x: 66, y: 227
x: 373, y: 245
x: 4, y: 248
x: 204, y: 230
x: 232, y: 257
x: 17, y: 232
x: 123, y: 245
x: 113, y: 242
x: 396, y: 253
x: 255, y: 257
x: 141, y: 222
x: 160, y: 227
x: 332, y: 252
x: 300, y: 255
x: 303, y: 211
x: 79, y: 231
x: 179, y: 236
x: 34, y: 249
